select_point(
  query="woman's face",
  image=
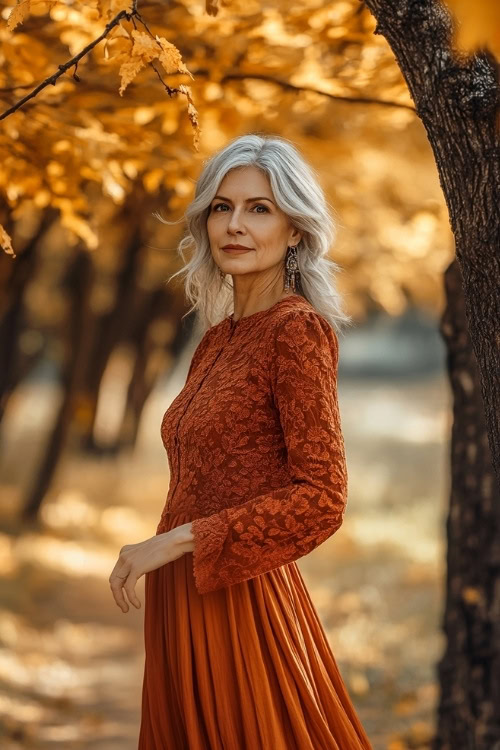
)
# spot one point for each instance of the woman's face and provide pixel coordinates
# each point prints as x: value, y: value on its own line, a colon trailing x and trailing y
x: 244, y: 213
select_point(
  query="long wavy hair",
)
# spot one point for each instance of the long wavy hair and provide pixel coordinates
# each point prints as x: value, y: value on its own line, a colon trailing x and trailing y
x: 296, y: 190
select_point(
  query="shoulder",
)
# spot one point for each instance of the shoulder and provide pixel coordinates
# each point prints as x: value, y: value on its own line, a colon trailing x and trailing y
x: 300, y: 332
x: 302, y: 321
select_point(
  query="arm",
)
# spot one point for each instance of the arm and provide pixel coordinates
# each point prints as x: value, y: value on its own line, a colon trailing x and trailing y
x: 281, y: 526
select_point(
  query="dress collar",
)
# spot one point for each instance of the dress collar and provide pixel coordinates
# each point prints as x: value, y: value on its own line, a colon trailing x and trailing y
x: 248, y: 319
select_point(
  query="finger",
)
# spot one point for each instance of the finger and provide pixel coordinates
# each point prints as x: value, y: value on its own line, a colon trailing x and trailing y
x: 117, y: 585
x: 130, y: 589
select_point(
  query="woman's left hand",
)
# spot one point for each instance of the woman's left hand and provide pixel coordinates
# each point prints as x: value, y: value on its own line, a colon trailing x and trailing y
x: 137, y: 559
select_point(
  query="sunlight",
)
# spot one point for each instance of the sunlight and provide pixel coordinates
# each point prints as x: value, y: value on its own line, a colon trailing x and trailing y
x: 113, y: 395
x: 8, y: 563
x: 68, y: 557
x: 125, y: 523
x: 412, y: 533
x: 71, y: 508
x: 21, y: 710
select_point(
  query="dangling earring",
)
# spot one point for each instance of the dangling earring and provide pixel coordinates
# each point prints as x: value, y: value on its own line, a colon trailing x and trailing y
x: 222, y: 274
x: 292, y: 274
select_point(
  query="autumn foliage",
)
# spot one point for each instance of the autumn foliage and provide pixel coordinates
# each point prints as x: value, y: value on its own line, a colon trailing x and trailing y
x: 118, y: 109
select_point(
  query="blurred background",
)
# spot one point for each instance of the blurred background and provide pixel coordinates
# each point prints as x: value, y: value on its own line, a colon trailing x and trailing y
x: 94, y: 347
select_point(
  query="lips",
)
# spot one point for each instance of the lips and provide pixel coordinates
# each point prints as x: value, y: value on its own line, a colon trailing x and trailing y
x: 236, y: 250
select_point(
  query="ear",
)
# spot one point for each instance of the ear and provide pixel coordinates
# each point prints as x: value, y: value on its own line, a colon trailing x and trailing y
x: 295, y: 238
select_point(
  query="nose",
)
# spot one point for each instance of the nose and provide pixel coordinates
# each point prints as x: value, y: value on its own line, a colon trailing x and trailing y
x: 235, y: 222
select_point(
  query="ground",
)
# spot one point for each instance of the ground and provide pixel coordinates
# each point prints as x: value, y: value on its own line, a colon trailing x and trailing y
x: 71, y: 662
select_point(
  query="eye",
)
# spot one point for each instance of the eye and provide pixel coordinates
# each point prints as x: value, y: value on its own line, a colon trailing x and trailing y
x: 257, y: 205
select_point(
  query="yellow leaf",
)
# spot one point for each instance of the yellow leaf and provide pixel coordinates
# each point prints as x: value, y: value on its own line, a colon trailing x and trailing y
x: 145, y: 49
x: 171, y: 58
x: 144, y: 46
x: 6, y: 242
x: 18, y: 14
x: 128, y: 71
x: 192, y: 114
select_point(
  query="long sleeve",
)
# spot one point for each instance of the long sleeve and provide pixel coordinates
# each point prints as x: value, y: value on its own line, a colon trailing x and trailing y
x: 284, y: 524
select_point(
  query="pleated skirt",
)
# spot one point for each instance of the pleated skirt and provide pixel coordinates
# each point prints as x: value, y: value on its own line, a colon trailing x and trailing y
x: 246, y: 667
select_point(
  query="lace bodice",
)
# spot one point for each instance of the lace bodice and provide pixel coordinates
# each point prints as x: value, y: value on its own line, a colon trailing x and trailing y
x: 255, y: 445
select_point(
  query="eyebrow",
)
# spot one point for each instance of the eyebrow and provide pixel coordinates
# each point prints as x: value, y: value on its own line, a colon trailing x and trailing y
x: 248, y: 200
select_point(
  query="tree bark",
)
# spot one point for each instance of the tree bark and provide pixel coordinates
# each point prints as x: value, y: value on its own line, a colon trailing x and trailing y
x: 469, y: 671
x: 457, y: 98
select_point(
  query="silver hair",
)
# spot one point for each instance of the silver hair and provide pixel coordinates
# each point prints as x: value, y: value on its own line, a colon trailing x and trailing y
x: 297, y: 192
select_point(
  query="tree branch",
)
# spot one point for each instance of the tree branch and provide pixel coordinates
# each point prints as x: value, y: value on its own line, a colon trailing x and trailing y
x: 51, y: 81
x: 291, y: 87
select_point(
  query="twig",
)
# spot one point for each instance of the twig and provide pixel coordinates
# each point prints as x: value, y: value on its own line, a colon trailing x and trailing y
x: 170, y: 91
x: 74, y: 61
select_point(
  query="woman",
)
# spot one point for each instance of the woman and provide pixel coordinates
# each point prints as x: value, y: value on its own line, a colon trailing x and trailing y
x: 236, y: 656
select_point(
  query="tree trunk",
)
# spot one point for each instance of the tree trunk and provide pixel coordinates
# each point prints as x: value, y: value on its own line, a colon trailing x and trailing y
x: 457, y: 98
x: 148, y: 365
x: 469, y: 671
x: 80, y: 282
x: 143, y: 378
x: 111, y: 328
x: 21, y: 271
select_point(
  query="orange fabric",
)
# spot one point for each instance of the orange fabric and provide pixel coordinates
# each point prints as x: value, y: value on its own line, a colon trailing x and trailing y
x: 236, y: 656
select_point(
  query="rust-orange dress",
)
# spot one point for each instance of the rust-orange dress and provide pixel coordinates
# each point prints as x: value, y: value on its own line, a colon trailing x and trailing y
x: 236, y: 656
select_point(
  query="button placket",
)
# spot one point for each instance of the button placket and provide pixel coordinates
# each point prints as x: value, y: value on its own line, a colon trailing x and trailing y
x: 176, y: 434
